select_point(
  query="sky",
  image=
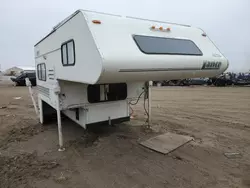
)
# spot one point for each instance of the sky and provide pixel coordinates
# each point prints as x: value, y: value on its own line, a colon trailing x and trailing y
x: 25, y: 22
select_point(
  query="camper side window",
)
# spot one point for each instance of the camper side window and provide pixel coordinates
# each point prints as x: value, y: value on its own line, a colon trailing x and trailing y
x: 41, y: 71
x: 68, y: 53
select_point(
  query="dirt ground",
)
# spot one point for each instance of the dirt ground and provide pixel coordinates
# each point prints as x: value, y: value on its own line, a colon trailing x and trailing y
x: 218, y: 119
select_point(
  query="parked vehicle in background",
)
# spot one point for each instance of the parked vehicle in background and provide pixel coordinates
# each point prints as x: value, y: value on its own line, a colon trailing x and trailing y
x: 198, y: 81
x: 183, y: 82
x: 225, y: 79
x: 228, y: 79
x: 220, y: 81
x: 20, y: 80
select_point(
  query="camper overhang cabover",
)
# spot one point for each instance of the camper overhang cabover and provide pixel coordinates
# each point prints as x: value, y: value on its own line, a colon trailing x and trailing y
x: 93, y: 64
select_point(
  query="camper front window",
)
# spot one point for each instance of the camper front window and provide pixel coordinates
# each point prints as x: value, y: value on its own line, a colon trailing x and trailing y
x: 168, y: 46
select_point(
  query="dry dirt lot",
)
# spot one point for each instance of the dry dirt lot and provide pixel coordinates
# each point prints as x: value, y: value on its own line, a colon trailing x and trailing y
x: 218, y: 119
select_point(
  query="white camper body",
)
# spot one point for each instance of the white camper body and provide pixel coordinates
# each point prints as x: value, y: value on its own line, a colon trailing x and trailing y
x: 93, y: 64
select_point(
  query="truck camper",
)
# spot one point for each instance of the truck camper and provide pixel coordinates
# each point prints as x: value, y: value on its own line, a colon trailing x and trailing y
x: 92, y: 65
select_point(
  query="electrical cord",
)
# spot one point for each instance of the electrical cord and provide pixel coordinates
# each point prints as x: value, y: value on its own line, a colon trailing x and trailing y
x: 146, y: 97
x: 145, y: 92
x: 132, y: 111
x: 137, y: 99
x: 144, y: 105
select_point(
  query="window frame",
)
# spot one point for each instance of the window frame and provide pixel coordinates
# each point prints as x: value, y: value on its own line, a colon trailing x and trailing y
x: 67, y: 57
x: 155, y: 53
x: 39, y: 72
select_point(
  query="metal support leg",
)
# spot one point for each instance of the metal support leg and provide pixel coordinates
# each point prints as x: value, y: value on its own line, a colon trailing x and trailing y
x: 59, y: 123
x: 40, y: 105
x: 149, y: 103
x: 29, y: 85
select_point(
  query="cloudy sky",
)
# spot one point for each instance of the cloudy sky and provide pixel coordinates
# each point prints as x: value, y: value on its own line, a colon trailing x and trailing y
x: 24, y: 22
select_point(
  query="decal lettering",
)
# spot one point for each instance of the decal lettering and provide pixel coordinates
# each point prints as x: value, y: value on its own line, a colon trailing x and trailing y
x: 211, y: 65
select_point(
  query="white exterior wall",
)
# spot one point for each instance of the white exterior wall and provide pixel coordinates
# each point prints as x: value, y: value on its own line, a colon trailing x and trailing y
x: 75, y: 94
x: 99, y: 112
x: 103, y: 111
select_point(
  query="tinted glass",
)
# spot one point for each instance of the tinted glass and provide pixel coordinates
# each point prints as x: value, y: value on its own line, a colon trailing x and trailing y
x: 159, y: 45
x: 20, y: 76
x: 31, y: 75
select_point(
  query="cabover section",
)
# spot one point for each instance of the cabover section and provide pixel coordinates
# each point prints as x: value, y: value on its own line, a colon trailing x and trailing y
x: 136, y: 49
x: 94, y: 48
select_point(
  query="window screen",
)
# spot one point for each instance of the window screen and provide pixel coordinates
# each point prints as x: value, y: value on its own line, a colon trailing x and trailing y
x: 68, y: 53
x: 171, y: 46
x: 41, y: 71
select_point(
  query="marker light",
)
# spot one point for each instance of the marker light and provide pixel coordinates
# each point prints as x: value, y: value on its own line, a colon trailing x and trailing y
x: 204, y: 34
x: 96, y: 21
x: 160, y: 28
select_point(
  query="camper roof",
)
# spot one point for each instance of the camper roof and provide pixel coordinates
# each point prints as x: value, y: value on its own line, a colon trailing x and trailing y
x: 60, y: 24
